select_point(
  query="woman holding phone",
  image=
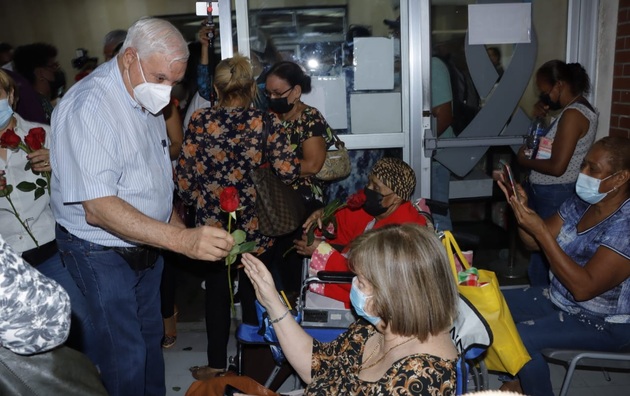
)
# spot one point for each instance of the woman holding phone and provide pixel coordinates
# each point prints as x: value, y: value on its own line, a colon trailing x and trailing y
x: 587, y: 305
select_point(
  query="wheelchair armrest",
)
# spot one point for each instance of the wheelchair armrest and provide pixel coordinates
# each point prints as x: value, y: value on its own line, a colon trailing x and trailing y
x: 335, y: 276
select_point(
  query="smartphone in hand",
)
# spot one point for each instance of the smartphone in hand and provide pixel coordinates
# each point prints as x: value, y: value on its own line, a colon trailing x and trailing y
x: 508, y: 179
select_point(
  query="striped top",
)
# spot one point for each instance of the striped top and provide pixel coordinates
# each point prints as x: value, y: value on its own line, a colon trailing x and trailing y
x: 104, y: 144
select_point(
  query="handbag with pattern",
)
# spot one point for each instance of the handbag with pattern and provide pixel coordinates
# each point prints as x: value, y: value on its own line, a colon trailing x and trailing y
x: 279, y: 207
x: 337, y: 164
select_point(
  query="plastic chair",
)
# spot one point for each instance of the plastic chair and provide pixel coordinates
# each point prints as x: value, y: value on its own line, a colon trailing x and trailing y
x: 573, y: 358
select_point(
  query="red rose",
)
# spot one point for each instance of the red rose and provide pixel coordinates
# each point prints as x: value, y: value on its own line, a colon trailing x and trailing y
x: 228, y: 200
x: 35, y: 138
x: 10, y: 140
x: 356, y: 200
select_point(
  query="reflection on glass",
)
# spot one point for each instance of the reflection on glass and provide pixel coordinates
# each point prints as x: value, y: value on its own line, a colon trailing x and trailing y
x: 321, y: 40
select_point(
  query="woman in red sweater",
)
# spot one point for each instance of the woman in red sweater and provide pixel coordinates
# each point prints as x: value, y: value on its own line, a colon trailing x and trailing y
x: 388, y: 193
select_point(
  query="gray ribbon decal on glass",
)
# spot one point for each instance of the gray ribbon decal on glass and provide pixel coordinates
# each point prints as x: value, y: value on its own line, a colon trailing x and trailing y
x: 499, y: 105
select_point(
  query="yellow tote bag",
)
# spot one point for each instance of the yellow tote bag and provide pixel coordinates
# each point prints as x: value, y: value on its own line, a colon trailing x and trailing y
x: 507, y: 352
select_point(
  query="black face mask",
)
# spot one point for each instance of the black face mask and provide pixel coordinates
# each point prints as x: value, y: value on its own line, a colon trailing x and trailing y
x: 372, y: 205
x: 546, y: 100
x: 280, y: 105
x: 58, y: 85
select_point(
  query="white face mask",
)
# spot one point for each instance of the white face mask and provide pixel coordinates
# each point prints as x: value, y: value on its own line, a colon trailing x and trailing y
x: 153, y: 97
x: 587, y: 188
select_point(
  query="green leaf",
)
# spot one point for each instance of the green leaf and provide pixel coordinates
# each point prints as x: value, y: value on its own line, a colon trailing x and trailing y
x: 230, y: 259
x: 247, y: 247
x: 41, y: 182
x: 310, y: 236
x: 27, y: 167
x: 39, y: 192
x: 239, y: 237
x: 233, y: 214
x: 26, y: 186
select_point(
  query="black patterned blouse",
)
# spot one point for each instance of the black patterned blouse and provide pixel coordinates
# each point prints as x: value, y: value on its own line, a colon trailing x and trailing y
x: 334, y: 369
x: 34, y: 310
x: 311, y: 123
x: 221, y: 147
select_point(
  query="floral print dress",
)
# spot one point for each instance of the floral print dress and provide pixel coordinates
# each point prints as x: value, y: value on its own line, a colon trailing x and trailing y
x: 335, y: 369
x: 222, y: 146
x: 311, y: 123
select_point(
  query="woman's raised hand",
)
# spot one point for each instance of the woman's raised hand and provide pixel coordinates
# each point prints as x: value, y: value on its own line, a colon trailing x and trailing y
x: 261, y: 279
x: 40, y: 160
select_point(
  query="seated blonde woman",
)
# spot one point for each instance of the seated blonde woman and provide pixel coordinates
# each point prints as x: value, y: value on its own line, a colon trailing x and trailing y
x: 406, y: 297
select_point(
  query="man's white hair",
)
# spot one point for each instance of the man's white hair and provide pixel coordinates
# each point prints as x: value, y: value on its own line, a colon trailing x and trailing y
x: 156, y: 36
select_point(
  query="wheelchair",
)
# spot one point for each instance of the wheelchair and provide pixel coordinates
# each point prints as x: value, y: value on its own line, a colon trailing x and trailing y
x: 325, y: 319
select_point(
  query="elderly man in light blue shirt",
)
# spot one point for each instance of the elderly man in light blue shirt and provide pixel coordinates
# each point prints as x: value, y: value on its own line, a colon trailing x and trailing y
x: 111, y: 196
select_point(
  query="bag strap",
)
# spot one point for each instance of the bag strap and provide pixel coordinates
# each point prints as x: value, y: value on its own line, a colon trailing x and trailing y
x: 265, y: 136
x: 451, y: 246
x: 339, y: 144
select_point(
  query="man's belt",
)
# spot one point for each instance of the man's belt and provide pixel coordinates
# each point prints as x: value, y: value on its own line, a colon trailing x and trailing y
x: 139, y: 257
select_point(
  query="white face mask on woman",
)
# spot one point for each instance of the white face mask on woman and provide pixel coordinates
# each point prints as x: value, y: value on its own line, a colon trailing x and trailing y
x: 153, y: 97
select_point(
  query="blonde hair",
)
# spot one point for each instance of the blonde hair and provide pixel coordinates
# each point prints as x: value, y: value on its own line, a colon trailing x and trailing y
x: 413, y: 287
x: 234, y: 80
x: 7, y: 84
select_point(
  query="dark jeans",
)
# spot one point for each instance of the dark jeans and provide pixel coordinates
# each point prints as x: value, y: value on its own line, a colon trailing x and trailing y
x: 542, y: 325
x: 82, y: 335
x: 545, y: 200
x: 125, y: 309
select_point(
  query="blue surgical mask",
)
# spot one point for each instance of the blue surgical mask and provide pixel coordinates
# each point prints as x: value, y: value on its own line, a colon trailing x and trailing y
x: 358, y: 300
x: 587, y: 188
x: 6, y: 112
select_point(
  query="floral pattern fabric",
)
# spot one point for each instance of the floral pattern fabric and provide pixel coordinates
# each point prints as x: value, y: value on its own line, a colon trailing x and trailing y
x: 311, y: 123
x: 222, y: 146
x: 34, y: 310
x: 335, y: 369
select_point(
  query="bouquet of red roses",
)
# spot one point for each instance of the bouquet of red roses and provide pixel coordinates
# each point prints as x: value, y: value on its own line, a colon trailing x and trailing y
x: 33, y: 141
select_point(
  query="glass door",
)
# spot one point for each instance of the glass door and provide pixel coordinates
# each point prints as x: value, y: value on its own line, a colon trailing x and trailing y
x: 370, y: 62
x: 352, y: 51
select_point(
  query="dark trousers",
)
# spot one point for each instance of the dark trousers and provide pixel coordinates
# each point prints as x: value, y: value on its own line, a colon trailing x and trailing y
x: 218, y: 315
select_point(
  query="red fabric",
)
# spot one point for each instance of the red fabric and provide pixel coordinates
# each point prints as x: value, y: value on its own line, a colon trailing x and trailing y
x: 351, y: 224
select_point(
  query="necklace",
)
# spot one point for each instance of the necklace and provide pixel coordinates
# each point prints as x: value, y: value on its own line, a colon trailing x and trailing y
x: 376, y: 348
x: 361, y: 367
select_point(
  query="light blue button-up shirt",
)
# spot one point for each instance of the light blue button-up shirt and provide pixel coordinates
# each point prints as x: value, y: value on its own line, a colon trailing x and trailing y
x: 104, y: 144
